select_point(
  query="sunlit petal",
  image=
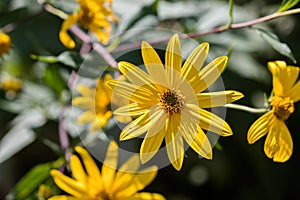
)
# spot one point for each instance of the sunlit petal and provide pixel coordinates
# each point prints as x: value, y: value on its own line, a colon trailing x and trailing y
x: 213, y: 99
x: 63, y: 34
x: 110, y: 165
x: 260, y: 127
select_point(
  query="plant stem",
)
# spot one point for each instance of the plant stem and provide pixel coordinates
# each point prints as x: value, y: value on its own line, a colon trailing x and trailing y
x: 246, y: 108
x: 215, y: 30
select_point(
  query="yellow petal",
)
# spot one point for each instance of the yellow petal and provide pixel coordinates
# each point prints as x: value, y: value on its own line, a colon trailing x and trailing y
x: 132, y: 92
x: 260, y: 127
x: 174, y: 142
x: 279, y: 144
x: 173, y: 60
x: 195, y: 61
x: 132, y: 109
x: 153, y: 64
x: 102, y: 36
x: 212, y: 71
x: 284, y: 77
x: 63, y: 197
x: 213, y: 99
x: 126, y: 174
x: 85, y: 90
x: 198, y: 142
x: 294, y: 93
x: 63, y: 34
x: 152, y: 143
x: 86, y: 117
x: 110, y: 165
x: 210, y: 121
x: 145, y: 196
x: 84, y: 102
x: 139, y: 182
x: 69, y: 185
x: 142, y: 123
x: 134, y: 74
x: 90, y: 166
x: 77, y: 169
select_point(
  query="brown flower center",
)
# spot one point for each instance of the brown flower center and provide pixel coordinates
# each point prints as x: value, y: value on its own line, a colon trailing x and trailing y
x: 282, y: 107
x: 171, y: 101
x: 104, y: 196
x: 85, y: 16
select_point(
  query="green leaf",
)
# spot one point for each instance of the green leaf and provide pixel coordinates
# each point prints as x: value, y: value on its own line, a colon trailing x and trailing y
x: 287, y: 4
x: 54, y: 80
x: 274, y: 41
x: 33, y: 179
x: 46, y: 59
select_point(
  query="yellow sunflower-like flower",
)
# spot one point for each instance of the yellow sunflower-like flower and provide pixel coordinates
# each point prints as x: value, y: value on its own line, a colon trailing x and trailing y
x: 278, y: 144
x: 4, y: 43
x: 97, y: 102
x: 168, y: 101
x: 95, y: 15
x: 90, y: 184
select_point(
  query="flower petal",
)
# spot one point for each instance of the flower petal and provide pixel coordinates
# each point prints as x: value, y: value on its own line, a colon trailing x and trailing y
x: 153, y: 64
x: 84, y: 102
x: 63, y: 34
x: 90, y: 165
x: 140, y: 181
x: 294, y: 93
x: 110, y: 165
x: 85, y: 90
x: 174, y: 142
x: 279, y: 144
x: 195, y: 61
x: 63, y: 197
x: 69, y: 185
x: 86, y: 117
x: 210, y: 121
x: 284, y: 77
x: 153, y: 140
x: 260, y: 127
x: 132, y: 92
x: 211, y: 72
x: 132, y: 109
x: 77, y: 169
x: 145, y: 196
x: 173, y: 60
x: 142, y: 123
x: 213, y: 99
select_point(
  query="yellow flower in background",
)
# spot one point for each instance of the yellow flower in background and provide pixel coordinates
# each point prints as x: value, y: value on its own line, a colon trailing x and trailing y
x: 10, y: 84
x: 278, y: 144
x: 97, y: 101
x: 95, y: 15
x: 168, y: 101
x: 4, y: 43
x: 89, y: 184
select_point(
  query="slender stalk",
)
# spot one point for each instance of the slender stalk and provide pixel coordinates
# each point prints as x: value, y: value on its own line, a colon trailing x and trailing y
x: 246, y: 108
x: 215, y: 30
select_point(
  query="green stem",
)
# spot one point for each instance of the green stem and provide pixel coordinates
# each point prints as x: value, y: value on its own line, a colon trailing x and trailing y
x: 246, y: 108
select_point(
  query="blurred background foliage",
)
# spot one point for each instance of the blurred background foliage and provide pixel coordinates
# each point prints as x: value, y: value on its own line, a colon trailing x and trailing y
x: 30, y: 117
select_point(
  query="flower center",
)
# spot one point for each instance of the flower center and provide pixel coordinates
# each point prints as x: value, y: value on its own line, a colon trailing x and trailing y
x: 282, y: 107
x: 171, y: 101
x: 85, y: 16
x: 103, y: 196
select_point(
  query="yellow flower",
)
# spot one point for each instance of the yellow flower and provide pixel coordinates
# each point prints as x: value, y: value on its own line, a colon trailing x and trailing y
x: 97, y: 102
x: 95, y: 15
x: 90, y: 184
x: 278, y: 144
x: 4, y: 43
x: 168, y: 101
x: 10, y: 84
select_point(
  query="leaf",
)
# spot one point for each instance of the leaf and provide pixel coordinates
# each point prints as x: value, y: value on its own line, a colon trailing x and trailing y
x: 21, y: 135
x: 287, y: 4
x: 54, y: 80
x: 33, y: 179
x: 68, y: 58
x: 274, y: 41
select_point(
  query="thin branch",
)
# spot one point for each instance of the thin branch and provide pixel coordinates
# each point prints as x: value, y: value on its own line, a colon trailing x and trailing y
x: 246, y: 108
x: 215, y: 30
